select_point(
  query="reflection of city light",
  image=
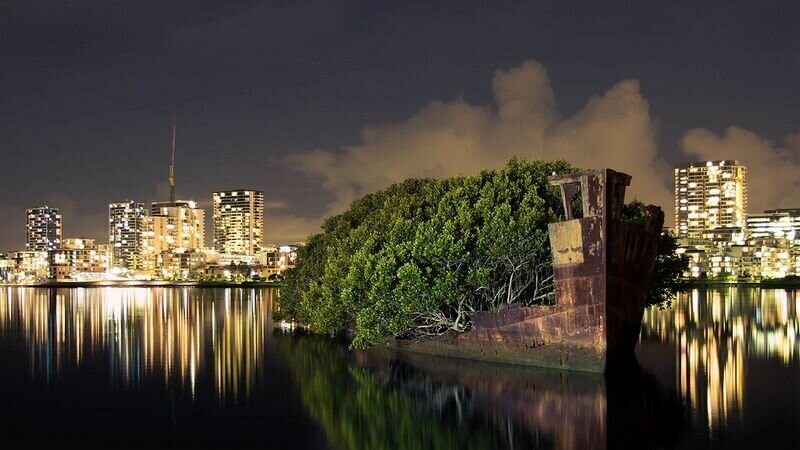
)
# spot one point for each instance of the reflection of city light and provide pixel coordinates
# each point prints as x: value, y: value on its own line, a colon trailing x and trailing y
x: 714, y: 332
x: 145, y: 333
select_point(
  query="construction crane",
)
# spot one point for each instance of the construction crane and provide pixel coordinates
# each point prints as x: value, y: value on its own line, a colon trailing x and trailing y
x: 172, y: 167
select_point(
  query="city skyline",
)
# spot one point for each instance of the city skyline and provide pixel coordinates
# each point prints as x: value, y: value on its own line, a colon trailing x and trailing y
x: 320, y: 104
x: 444, y: 225
x: 679, y: 204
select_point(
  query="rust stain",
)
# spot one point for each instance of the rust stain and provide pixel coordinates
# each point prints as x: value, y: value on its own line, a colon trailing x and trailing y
x: 602, y: 269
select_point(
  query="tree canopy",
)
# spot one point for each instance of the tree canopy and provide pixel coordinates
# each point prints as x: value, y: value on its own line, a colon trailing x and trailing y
x: 422, y: 255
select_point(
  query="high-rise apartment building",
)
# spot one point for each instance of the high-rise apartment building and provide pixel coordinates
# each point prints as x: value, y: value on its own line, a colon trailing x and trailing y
x: 709, y: 195
x: 172, y: 227
x: 184, y: 224
x: 238, y: 222
x: 43, y: 229
x: 126, y: 223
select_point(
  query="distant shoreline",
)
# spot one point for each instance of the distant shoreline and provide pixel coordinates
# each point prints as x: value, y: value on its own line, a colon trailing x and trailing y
x: 142, y: 283
x: 793, y: 283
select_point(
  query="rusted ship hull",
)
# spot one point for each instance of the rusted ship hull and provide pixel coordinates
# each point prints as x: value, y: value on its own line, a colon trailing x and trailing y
x: 602, y: 272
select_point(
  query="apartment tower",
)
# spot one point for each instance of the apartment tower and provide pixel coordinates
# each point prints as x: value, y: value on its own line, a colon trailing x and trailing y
x: 238, y: 218
x: 43, y: 229
x: 709, y: 195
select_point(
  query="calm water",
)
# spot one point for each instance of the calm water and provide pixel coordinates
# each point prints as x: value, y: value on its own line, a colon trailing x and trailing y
x: 190, y: 367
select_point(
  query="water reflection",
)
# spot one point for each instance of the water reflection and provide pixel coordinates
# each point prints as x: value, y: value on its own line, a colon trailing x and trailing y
x: 174, y: 361
x: 715, y: 332
x: 164, y: 334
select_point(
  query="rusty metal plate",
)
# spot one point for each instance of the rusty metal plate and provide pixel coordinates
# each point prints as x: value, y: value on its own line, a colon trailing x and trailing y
x: 566, y: 240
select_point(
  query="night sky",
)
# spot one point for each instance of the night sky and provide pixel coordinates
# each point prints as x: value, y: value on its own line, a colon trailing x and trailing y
x: 319, y: 102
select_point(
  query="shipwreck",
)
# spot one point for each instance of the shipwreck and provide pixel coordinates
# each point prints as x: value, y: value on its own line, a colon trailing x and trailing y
x: 602, y: 271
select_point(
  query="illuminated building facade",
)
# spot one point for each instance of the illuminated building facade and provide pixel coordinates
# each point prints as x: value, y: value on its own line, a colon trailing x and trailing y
x: 126, y: 223
x: 775, y: 224
x: 710, y: 218
x: 709, y: 195
x: 184, y: 224
x: 78, y: 259
x: 7, y: 268
x: 775, y: 237
x: 238, y: 222
x: 276, y: 260
x: 171, y: 229
x: 31, y: 266
x: 43, y: 229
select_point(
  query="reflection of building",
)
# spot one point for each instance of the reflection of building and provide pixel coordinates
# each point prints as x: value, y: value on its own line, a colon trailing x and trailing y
x: 709, y: 195
x: 715, y: 332
x: 43, y: 229
x: 181, y: 336
x: 126, y: 223
x: 238, y: 222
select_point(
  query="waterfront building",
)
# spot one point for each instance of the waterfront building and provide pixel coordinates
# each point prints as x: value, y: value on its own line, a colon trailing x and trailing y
x: 78, y: 259
x: 710, y: 218
x: 184, y: 262
x: 126, y: 224
x: 775, y: 236
x: 31, y: 266
x: 7, y: 268
x: 183, y: 224
x: 277, y: 259
x: 726, y: 236
x: 174, y: 232
x: 226, y: 259
x: 709, y: 195
x: 172, y: 229
x: 775, y: 224
x: 238, y: 218
x: 43, y: 229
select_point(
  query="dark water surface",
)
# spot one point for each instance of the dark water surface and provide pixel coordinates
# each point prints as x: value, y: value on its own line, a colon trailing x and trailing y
x: 188, y: 367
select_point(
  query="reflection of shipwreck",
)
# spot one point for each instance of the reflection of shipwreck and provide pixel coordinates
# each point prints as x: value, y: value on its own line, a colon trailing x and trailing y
x: 537, y: 408
x: 602, y: 270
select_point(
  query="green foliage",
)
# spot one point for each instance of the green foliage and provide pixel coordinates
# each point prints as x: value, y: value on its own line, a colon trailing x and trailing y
x: 421, y: 256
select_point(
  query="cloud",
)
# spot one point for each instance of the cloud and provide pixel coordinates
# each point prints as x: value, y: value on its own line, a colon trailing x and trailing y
x: 773, y: 172
x: 275, y: 204
x: 444, y: 139
x: 287, y: 228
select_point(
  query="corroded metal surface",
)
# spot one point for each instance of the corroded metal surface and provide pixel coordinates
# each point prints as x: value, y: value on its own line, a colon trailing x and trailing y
x: 602, y: 269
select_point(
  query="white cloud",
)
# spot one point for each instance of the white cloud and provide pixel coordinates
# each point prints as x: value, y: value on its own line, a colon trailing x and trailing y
x: 443, y: 139
x: 773, y: 172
